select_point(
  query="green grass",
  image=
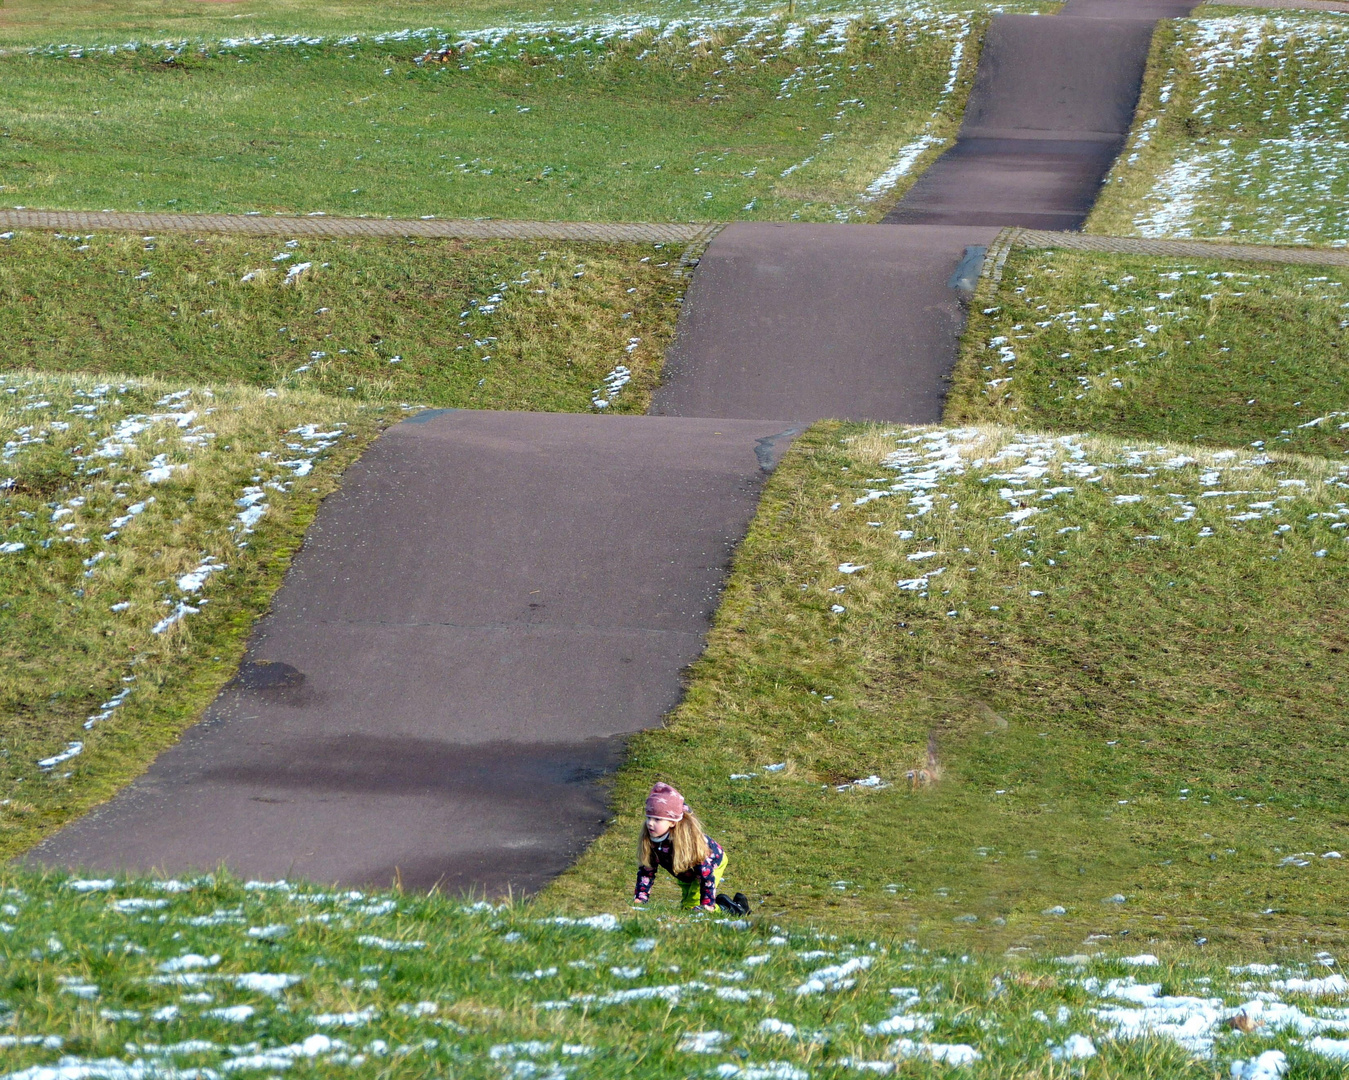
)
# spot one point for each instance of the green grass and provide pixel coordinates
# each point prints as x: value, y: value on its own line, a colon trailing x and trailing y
x: 98, y: 329
x: 94, y: 552
x: 1134, y: 683
x: 485, y: 325
x: 706, y: 120
x: 1188, y: 350
x: 1241, y: 133
x: 390, y: 985
x: 25, y: 22
x: 43, y: 21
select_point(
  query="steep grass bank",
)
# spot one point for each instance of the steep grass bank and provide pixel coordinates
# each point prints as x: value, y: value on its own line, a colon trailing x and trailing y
x: 1200, y: 351
x: 482, y: 325
x: 1242, y: 132
x: 1129, y: 656
x: 144, y: 525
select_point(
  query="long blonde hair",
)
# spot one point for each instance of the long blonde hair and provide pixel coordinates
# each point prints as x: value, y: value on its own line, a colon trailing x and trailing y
x: 690, y: 844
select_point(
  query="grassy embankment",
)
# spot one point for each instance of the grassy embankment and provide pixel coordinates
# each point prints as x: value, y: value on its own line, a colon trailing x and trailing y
x: 484, y: 325
x: 1242, y: 132
x: 125, y: 356
x: 140, y: 978
x: 1131, y: 656
x: 1195, y: 351
x: 700, y: 120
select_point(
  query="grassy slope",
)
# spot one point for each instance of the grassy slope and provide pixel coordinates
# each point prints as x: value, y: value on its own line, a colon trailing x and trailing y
x: 1218, y: 353
x: 1240, y: 133
x: 463, y: 996
x: 74, y: 464
x: 78, y: 313
x: 177, y: 307
x: 690, y: 127
x: 1084, y: 665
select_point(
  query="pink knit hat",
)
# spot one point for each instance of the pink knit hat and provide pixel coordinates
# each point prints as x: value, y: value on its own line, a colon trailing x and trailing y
x: 665, y: 803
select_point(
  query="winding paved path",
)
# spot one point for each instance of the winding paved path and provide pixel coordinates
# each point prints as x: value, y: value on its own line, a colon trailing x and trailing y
x: 1051, y: 105
x: 494, y: 599
x: 851, y: 322
x: 488, y: 604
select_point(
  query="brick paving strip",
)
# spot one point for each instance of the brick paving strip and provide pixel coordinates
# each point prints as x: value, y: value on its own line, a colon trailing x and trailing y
x: 601, y: 232
x: 1285, y: 5
x: 281, y: 225
x: 1192, y: 249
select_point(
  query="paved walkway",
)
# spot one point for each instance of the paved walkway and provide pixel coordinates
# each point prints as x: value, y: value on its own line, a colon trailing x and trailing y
x: 852, y: 322
x: 726, y: 262
x: 494, y: 599
x: 285, y: 225
x: 1288, y: 5
x: 1049, y: 111
x: 478, y: 616
x: 1188, y: 249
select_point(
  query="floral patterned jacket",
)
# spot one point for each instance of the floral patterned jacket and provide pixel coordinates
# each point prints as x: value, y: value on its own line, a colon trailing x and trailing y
x: 704, y: 873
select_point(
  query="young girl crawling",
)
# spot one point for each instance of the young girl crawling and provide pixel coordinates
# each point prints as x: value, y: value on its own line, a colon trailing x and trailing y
x: 673, y: 838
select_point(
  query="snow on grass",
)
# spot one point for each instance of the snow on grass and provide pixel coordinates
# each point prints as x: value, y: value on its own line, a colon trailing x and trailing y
x: 439, y: 1010
x: 735, y: 32
x: 913, y: 151
x: 109, y: 579
x: 105, y: 476
x: 1171, y: 348
x: 1248, y: 136
x: 1227, y: 489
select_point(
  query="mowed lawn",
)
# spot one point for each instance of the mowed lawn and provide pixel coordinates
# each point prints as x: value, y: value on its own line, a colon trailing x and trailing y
x: 698, y: 120
x: 107, y: 978
x: 41, y: 22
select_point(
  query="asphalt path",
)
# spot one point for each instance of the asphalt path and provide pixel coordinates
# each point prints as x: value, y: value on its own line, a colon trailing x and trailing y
x: 852, y: 322
x: 490, y: 603
x: 493, y: 601
x: 1052, y: 101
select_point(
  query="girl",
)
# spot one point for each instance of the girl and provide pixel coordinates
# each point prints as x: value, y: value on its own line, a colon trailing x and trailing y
x: 673, y: 838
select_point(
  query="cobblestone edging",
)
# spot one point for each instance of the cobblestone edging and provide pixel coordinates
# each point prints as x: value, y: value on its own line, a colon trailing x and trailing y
x: 1201, y: 249
x: 278, y: 225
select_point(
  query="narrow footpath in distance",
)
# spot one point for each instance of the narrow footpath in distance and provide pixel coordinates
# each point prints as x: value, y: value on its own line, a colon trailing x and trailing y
x: 492, y: 601
x: 860, y: 322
